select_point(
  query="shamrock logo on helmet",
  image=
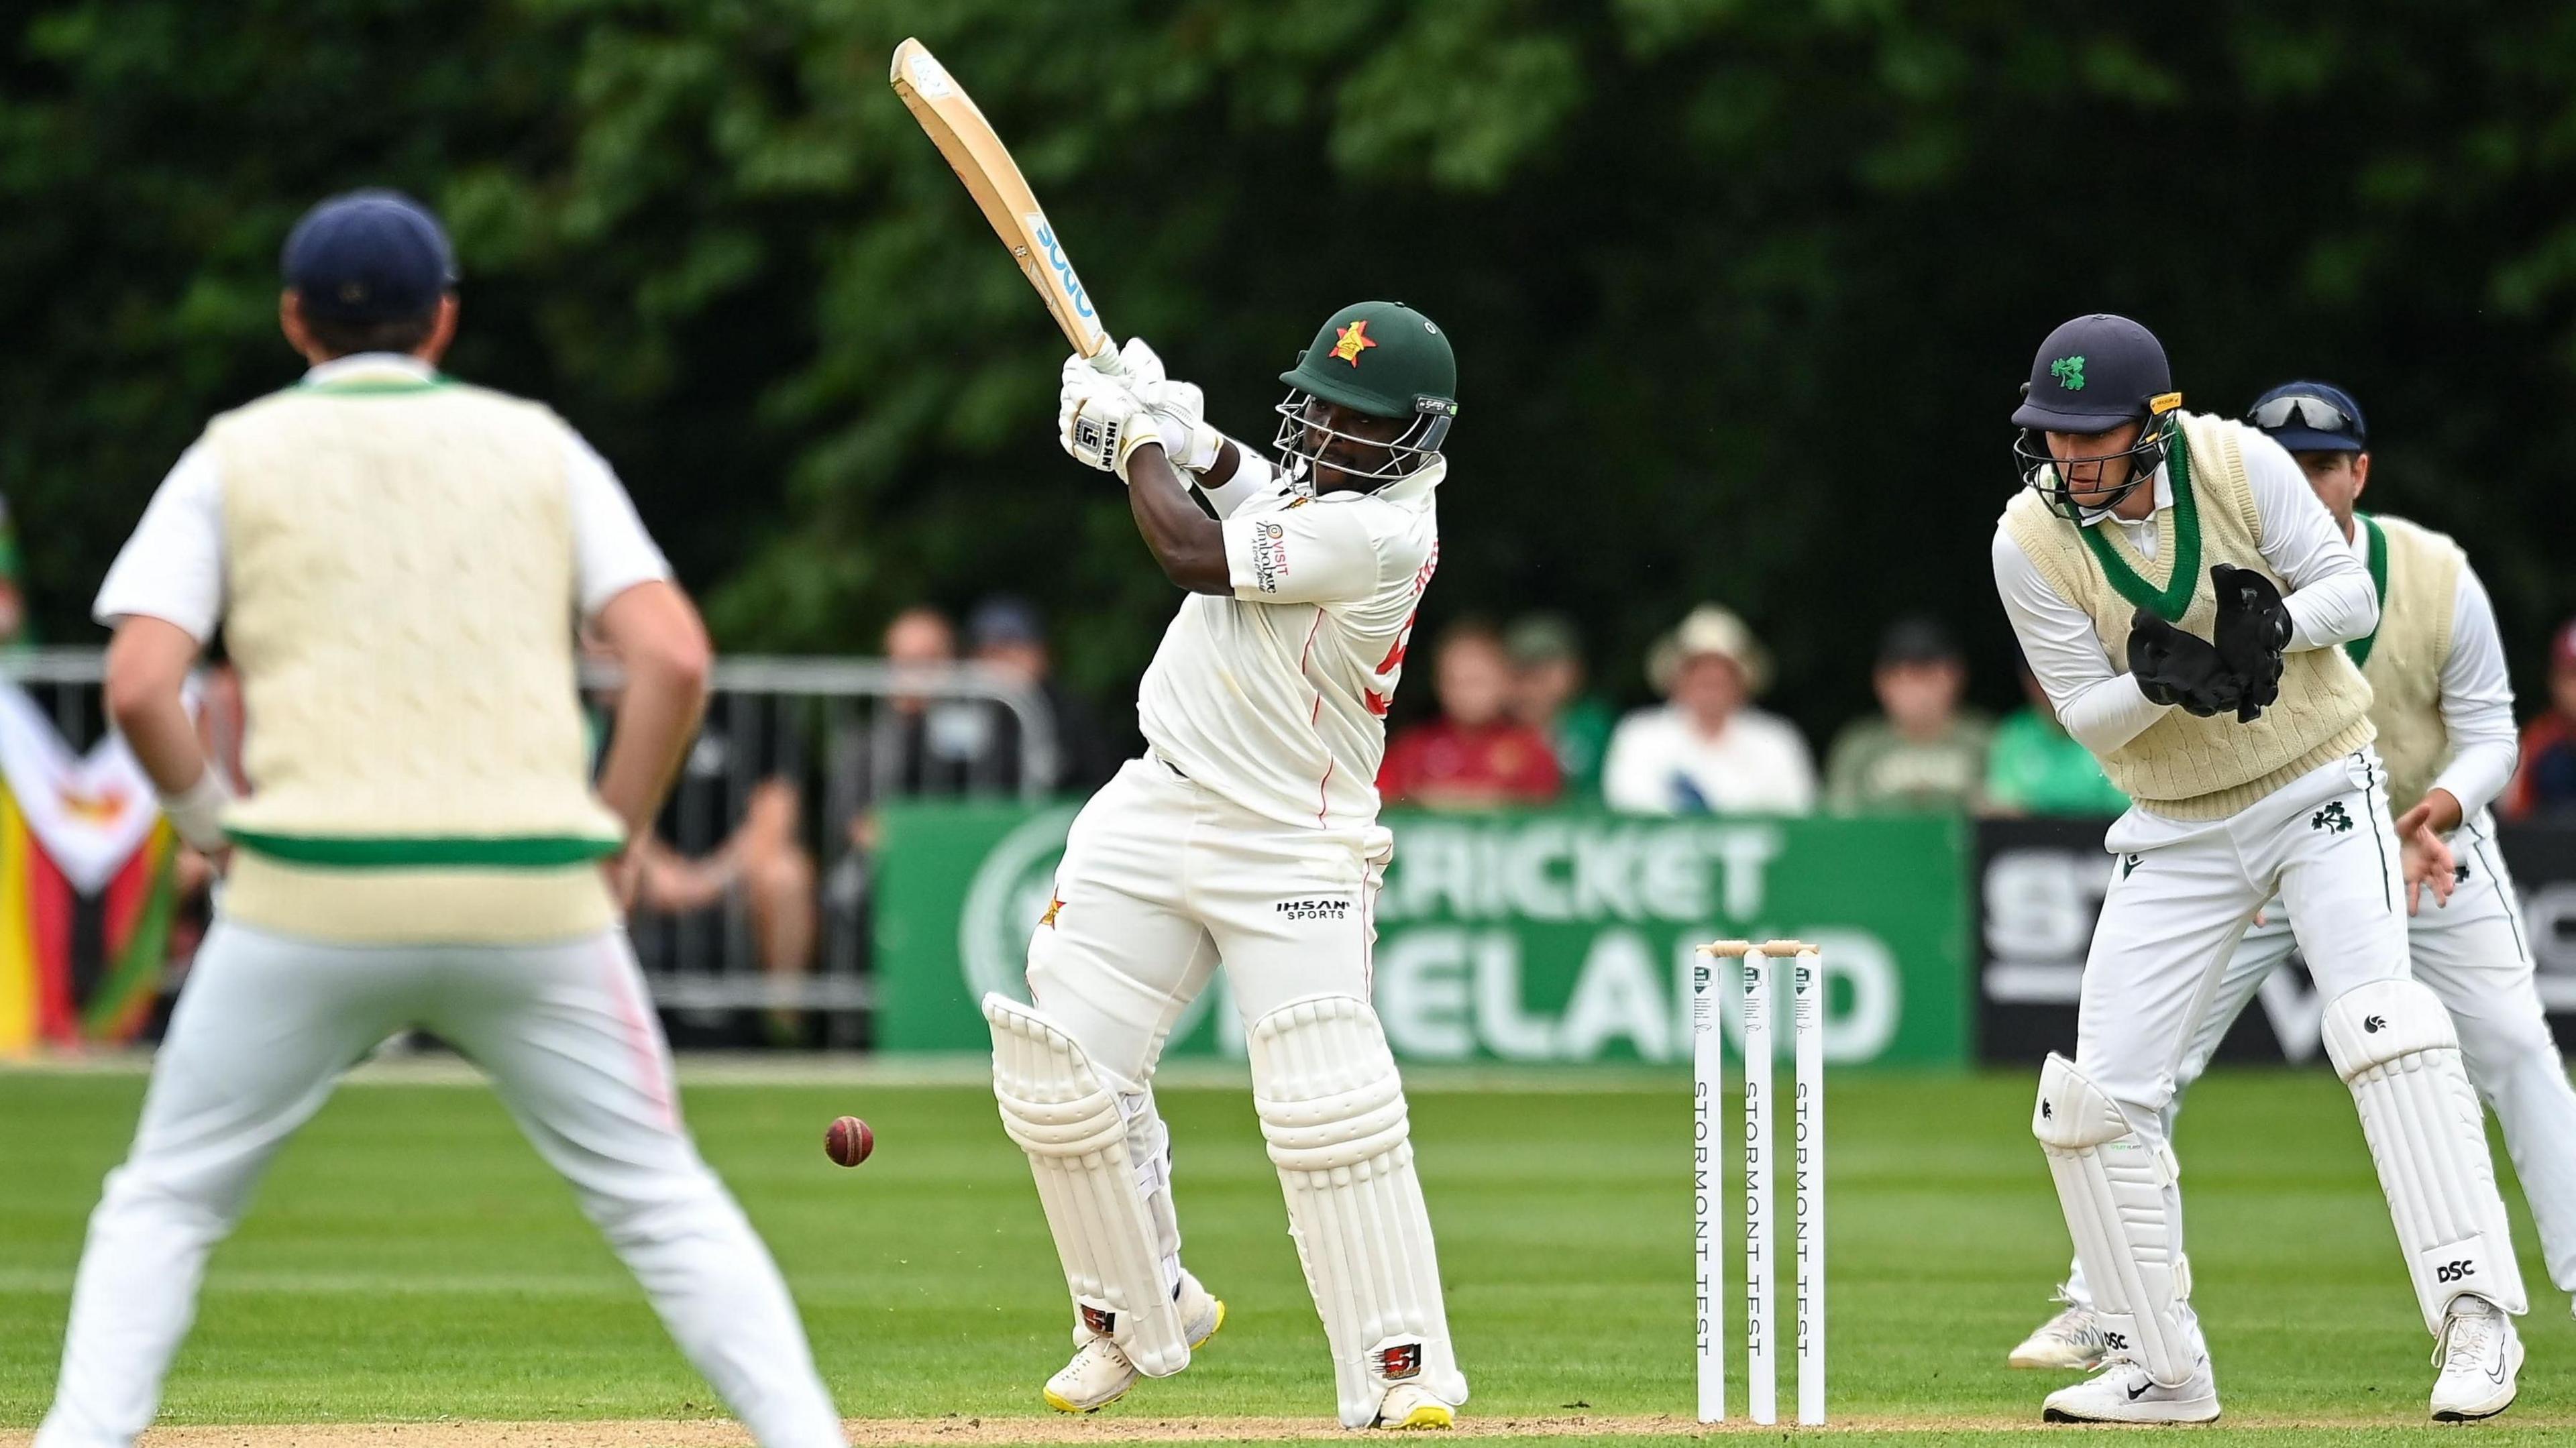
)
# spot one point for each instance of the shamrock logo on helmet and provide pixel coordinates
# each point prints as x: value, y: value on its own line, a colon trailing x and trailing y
x: 1350, y: 341
x: 2069, y: 372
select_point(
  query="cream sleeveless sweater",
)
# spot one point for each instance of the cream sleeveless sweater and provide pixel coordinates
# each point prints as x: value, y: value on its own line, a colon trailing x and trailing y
x: 2180, y: 766
x: 400, y: 603
x: 2416, y: 573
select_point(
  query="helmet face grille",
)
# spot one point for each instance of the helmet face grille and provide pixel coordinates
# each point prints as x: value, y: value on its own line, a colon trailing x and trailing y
x: 1306, y: 440
x: 2039, y: 467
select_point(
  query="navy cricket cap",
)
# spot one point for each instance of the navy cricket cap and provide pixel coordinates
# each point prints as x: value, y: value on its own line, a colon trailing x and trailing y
x: 2310, y: 417
x: 2092, y: 374
x: 369, y: 256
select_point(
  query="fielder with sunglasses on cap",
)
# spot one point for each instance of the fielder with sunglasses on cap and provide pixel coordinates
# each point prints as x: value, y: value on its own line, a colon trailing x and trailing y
x: 2185, y: 600
x: 2444, y: 711
x: 1246, y: 837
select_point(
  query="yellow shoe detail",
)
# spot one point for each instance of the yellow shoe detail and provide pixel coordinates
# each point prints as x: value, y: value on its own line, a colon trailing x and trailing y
x: 1425, y: 1415
x: 1063, y: 1404
x: 1214, y: 1327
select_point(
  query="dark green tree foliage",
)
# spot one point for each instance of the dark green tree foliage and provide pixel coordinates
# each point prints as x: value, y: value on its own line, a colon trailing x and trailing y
x: 1741, y: 290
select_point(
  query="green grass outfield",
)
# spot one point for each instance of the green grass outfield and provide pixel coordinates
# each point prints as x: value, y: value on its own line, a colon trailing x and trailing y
x: 410, y: 1259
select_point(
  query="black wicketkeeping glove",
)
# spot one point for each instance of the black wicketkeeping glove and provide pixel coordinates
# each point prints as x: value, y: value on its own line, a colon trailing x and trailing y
x: 2174, y: 667
x: 2253, y: 629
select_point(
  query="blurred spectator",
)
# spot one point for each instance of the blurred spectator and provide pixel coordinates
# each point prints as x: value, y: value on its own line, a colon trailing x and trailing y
x: 1708, y: 749
x: 2036, y: 768
x: 1008, y: 634
x: 923, y: 745
x: 1923, y: 752
x: 2544, y: 783
x: 1548, y: 695
x: 1475, y: 755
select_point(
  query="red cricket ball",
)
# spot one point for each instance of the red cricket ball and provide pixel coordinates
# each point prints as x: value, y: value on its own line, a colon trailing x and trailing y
x: 849, y: 1141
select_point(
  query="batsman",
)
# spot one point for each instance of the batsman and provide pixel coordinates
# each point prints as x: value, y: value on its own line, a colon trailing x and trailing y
x: 1246, y: 836
x: 2183, y: 597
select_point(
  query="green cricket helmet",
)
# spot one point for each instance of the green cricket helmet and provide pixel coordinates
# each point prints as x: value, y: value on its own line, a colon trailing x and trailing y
x: 1383, y: 359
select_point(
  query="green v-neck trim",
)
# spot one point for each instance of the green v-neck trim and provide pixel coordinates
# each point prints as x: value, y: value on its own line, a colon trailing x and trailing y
x: 2174, y: 599
x: 2360, y: 648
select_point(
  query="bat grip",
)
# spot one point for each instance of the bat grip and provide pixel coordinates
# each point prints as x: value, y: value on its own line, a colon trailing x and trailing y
x: 1106, y: 361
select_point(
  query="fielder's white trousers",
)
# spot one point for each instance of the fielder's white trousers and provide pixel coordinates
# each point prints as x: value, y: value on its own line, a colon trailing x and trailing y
x: 2182, y: 894
x: 1161, y: 880
x: 263, y: 1030
x: 2472, y: 954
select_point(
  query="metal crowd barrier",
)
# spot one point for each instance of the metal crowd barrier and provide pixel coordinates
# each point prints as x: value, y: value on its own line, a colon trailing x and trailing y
x: 842, y: 733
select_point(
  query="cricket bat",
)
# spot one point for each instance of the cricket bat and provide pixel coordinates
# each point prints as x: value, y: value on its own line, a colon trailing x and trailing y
x: 980, y: 160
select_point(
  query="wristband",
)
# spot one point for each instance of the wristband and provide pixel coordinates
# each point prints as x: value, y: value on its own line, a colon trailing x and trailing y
x: 197, y: 812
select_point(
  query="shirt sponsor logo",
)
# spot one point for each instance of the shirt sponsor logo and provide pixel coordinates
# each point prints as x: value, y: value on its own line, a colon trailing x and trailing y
x: 1321, y: 908
x: 1269, y: 556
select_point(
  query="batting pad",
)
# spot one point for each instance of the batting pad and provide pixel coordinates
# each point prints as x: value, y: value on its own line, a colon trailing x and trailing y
x: 2112, y: 1182
x: 1332, y: 1109
x: 1070, y: 1123
x: 2393, y: 1044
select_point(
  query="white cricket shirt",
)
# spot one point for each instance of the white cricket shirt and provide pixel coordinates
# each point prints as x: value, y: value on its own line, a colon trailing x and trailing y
x: 172, y: 568
x: 1276, y: 697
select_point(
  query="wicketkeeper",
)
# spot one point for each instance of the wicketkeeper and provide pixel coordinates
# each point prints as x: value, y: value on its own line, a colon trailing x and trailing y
x: 2443, y: 707
x: 2184, y: 599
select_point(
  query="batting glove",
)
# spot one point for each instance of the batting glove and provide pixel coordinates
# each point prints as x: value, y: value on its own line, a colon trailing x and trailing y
x: 1099, y: 421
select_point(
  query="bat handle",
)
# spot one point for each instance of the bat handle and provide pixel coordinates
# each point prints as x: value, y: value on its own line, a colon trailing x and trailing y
x: 1106, y: 361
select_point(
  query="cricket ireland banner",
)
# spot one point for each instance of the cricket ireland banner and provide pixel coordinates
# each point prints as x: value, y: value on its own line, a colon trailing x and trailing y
x: 1544, y: 937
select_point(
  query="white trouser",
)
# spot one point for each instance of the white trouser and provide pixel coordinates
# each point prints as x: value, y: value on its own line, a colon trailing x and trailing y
x: 1161, y: 880
x: 2181, y: 895
x: 261, y: 1034
x: 2472, y: 954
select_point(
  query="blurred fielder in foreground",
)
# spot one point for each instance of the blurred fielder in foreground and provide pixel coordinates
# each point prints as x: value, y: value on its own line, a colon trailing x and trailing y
x: 1247, y: 835
x: 2224, y: 705
x: 2444, y: 710
x: 397, y: 562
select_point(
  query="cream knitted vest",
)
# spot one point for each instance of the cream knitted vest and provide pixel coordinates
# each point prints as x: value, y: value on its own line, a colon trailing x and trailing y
x: 2417, y: 574
x: 2180, y: 766
x: 400, y: 603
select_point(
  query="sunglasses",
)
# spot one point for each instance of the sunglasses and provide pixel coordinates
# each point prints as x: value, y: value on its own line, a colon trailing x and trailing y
x: 2300, y: 410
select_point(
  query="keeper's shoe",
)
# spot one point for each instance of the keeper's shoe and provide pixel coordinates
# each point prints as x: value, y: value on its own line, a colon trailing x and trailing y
x: 2123, y: 1393
x: 1100, y: 1374
x: 1409, y: 1406
x: 2072, y: 1341
x: 2481, y: 1358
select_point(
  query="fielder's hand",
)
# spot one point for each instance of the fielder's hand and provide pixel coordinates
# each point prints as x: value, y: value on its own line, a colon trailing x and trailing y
x: 2174, y: 667
x: 2425, y: 859
x: 1099, y: 421
x: 2253, y: 629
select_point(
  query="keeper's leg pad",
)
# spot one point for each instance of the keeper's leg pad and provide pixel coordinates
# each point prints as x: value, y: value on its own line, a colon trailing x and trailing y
x: 1332, y: 1109
x: 2112, y: 1181
x: 2394, y: 1045
x: 1071, y: 1124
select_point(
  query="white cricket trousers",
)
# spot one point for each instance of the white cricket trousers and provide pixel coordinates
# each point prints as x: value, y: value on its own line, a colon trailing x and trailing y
x: 1162, y: 879
x: 262, y: 1032
x: 2182, y: 894
x: 2470, y: 952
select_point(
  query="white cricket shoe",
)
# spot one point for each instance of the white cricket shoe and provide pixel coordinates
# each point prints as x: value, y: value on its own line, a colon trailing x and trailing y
x: 1100, y: 1374
x: 2071, y: 1341
x: 2481, y: 1358
x: 2123, y: 1393
x: 1409, y: 1406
